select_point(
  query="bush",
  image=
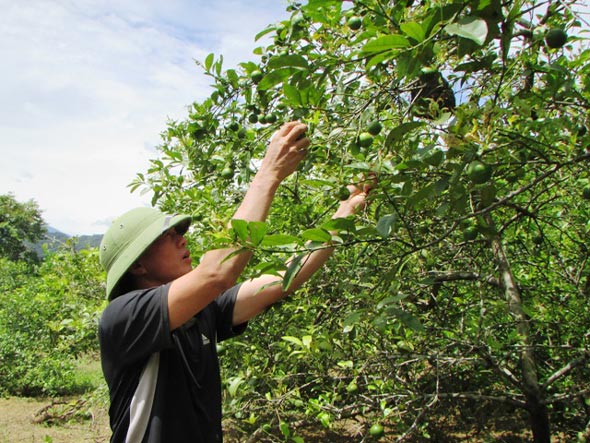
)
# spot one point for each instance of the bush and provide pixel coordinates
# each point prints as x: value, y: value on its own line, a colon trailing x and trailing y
x: 48, y: 318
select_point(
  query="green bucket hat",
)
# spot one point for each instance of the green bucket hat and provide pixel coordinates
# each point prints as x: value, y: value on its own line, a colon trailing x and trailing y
x: 129, y: 236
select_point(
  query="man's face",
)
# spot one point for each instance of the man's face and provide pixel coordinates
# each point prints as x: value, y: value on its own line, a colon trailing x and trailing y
x: 167, y: 258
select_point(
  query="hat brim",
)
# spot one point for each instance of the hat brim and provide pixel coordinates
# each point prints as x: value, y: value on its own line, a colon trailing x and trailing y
x: 142, y: 242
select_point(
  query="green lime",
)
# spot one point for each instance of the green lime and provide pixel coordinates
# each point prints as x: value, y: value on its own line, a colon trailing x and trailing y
x: 365, y: 139
x: 376, y: 430
x: 233, y: 126
x: 374, y: 127
x: 271, y: 118
x: 343, y: 193
x: 354, y: 22
x: 253, y: 118
x: 470, y: 233
x: 256, y: 75
x: 555, y: 38
x: 479, y: 172
x: 227, y: 172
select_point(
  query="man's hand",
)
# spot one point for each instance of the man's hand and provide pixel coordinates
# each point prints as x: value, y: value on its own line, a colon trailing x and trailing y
x: 287, y: 148
x: 357, y: 199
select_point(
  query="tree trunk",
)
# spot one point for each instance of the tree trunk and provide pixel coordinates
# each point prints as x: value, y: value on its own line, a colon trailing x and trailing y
x: 539, y: 418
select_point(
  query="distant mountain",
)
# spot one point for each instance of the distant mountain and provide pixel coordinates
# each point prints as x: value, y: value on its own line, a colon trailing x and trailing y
x: 55, y: 239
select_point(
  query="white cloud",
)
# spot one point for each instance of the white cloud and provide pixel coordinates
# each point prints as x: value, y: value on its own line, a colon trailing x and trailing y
x: 88, y: 85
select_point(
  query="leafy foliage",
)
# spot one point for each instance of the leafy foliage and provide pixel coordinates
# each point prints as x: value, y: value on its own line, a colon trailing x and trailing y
x: 467, y: 279
x: 21, y: 224
x: 48, y: 318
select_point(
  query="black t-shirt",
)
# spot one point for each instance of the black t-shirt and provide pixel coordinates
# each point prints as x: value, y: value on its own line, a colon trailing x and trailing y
x: 164, y: 387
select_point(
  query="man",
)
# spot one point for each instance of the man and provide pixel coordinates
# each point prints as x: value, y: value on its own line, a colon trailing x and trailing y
x: 159, y: 331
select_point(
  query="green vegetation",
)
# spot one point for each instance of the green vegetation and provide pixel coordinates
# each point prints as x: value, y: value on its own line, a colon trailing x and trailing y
x: 21, y: 225
x: 48, y: 319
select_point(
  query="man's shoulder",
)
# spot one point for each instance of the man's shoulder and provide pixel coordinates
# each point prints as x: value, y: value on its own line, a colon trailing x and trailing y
x: 133, y: 302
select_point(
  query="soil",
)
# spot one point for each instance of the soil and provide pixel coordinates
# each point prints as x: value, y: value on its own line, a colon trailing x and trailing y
x: 17, y: 424
x: 25, y: 420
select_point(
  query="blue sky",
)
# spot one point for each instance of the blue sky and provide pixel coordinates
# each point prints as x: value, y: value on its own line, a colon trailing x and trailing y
x: 88, y: 85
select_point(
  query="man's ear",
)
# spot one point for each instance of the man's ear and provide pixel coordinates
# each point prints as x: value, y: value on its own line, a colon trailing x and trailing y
x: 137, y: 269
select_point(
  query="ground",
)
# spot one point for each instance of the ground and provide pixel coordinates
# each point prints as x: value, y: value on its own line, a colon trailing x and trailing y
x: 17, y: 424
x: 18, y: 418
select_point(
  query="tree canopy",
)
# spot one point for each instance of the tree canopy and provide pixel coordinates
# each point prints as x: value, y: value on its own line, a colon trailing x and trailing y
x: 21, y: 224
x: 467, y: 279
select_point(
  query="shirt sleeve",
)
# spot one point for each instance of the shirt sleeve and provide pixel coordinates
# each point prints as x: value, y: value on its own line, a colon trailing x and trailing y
x: 136, y: 325
x: 225, y: 309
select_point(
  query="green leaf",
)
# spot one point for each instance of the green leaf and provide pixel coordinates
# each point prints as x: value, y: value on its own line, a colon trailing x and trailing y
x: 292, y: 61
x: 379, y: 58
x: 240, y: 228
x: 209, y: 62
x: 279, y: 240
x: 413, y: 30
x: 292, y: 270
x: 340, y: 225
x: 472, y: 28
x: 292, y: 94
x: 397, y: 133
x: 385, y: 225
x: 317, y: 234
x: 306, y: 340
x: 275, y: 77
x: 352, y: 320
x: 257, y: 232
x: 284, y: 427
x: 263, y: 33
x: 233, y: 385
x: 294, y: 340
x: 270, y: 268
x: 407, y: 319
x: 421, y: 194
x: 386, y: 42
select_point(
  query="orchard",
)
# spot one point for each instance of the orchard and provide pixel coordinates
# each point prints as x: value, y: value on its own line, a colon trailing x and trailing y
x: 472, y: 117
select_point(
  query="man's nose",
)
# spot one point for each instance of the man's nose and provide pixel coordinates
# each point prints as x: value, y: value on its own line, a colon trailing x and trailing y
x: 180, y: 240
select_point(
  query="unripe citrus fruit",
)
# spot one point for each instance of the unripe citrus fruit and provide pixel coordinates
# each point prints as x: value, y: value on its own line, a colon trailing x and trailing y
x: 227, y: 172
x: 586, y: 192
x: 376, y: 430
x: 374, y: 127
x: 479, y: 172
x: 253, y: 118
x: 343, y: 193
x: 233, y: 126
x: 354, y: 23
x: 365, y: 139
x: 256, y: 76
x: 555, y: 38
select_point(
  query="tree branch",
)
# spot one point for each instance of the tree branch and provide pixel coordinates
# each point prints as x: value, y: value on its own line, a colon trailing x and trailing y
x: 567, y: 369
